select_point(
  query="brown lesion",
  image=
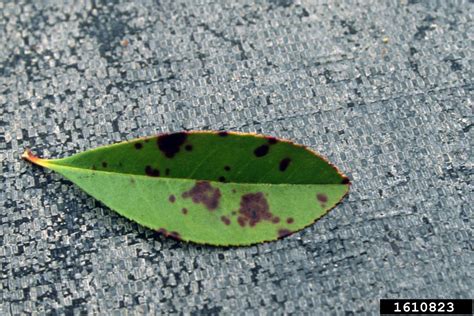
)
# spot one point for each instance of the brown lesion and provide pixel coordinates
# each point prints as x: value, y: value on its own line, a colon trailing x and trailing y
x: 225, y: 220
x: 152, y: 172
x: 172, y: 234
x: 261, y: 150
x: 203, y: 192
x: 170, y: 144
x: 172, y: 198
x: 283, y: 232
x: 271, y: 140
x: 284, y: 163
x: 323, y: 198
x: 254, y: 208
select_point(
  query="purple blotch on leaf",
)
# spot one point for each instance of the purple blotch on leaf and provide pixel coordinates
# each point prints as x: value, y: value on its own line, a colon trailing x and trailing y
x: 149, y: 171
x: 284, y: 232
x: 172, y: 198
x: 322, y: 197
x: 272, y: 140
x: 225, y: 220
x: 172, y: 234
x: 203, y: 192
x: 253, y: 209
x: 284, y: 163
x: 170, y: 144
x: 261, y: 151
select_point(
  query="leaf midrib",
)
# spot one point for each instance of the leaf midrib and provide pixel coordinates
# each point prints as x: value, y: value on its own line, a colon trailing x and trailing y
x: 49, y: 163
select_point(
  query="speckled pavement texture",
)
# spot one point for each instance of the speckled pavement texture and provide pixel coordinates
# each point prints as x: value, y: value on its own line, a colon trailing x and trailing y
x: 381, y: 88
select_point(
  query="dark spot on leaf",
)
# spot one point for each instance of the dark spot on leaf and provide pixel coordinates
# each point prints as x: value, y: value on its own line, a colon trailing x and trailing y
x: 204, y: 193
x: 172, y: 234
x: 169, y: 144
x: 254, y: 208
x: 222, y: 179
x: 345, y: 180
x: 225, y: 220
x: 184, y: 210
x: 167, y: 171
x: 162, y: 231
x: 149, y: 171
x: 322, y: 197
x: 104, y: 164
x: 241, y: 221
x: 283, y: 233
x: 172, y: 198
x: 284, y: 163
x: 222, y: 134
x: 275, y: 220
x: 138, y: 145
x: 290, y: 220
x: 227, y: 168
x: 188, y: 147
x: 175, y: 235
x: 261, y: 151
x: 272, y: 140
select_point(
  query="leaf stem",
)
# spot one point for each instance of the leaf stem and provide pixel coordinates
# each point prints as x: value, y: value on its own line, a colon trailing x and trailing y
x: 28, y: 155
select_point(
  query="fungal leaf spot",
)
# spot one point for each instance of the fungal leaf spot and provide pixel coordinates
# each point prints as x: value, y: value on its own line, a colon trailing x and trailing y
x: 170, y: 144
x: 284, y: 163
x: 150, y: 171
x: 323, y: 198
x: 261, y: 150
x: 253, y: 209
x: 284, y: 232
x: 204, y: 193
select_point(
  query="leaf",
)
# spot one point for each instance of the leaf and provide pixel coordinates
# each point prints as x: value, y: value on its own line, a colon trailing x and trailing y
x: 208, y: 187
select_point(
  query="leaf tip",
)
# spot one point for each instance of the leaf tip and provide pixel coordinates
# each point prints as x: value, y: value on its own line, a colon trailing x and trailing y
x: 346, y: 180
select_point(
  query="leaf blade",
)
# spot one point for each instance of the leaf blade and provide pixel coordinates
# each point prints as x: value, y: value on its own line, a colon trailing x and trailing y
x: 184, y: 208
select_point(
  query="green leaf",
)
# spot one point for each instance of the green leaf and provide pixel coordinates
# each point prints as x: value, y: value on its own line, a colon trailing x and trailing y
x: 208, y: 187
